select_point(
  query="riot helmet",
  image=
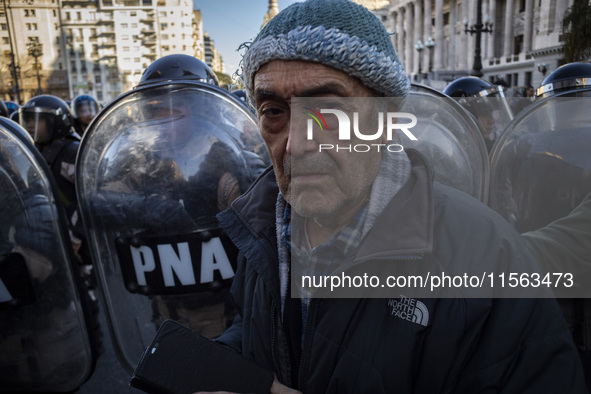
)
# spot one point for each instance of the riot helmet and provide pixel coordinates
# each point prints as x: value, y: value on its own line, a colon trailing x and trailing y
x: 470, y: 87
x: 12, y: 107
x: 84, y: 109
x: 14, y: 116
x: 486, y: 102
x: 15, y: 128
x: 570, y: 77
x: 46, y: 118
x: 178, y: 68
x: 240, y: 93
x: 3, y: 109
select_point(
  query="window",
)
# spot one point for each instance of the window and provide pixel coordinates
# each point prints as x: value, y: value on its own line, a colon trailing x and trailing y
x: 68, y: 17
x: 162, y: 14
x: 134, y: 25
x: 33, y: 39
x: 163, y: 26
x: 54, y: 13
x: 125, y: 37
x: 136, y: 59
x: 32, y: 12
x: 34, y: 26
x: 5, y: 40
x: 124, y: 25
x: 3, y: 26
x: 78, y: 15
x: 164, y: 36
x: 57, y: 27
x: 133, y: 13
x: 125, y: 49
x: 26, y: 12
x: 28, y: 26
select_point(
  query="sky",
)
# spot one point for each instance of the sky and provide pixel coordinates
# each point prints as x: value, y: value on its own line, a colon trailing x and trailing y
x: 231, y: 22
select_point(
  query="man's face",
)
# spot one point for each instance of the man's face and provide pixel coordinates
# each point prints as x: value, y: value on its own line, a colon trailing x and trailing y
x: 36, y: 125
x: 86, y: 113
x: 316, y: 184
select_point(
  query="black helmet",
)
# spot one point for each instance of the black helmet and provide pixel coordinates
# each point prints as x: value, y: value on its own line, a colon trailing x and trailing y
x: 571, y: 76
x: 178, y: 68
x: 15, y: 128
x: 12, y: 107
x: 470, y: 87
x: 54, y: 110
x: 84, y: 102
x: 3, y: 109
x: 241, y: 94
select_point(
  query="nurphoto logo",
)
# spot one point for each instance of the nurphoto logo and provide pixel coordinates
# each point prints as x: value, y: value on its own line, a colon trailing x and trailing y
x: 390, y: 119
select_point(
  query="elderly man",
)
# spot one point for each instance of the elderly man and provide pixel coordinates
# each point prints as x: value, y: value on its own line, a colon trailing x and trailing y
x: 320, y: 208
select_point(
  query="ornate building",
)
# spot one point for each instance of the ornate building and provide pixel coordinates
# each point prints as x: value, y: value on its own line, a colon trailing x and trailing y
x: 432, y: 43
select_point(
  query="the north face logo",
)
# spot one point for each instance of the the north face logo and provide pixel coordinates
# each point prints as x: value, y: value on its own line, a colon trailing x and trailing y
x: 409, y: 309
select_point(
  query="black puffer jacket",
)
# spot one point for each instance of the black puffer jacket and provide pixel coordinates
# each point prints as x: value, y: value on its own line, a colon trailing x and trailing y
x: 398, y: 345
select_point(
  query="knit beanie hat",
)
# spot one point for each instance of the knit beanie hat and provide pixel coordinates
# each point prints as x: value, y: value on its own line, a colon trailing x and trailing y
x: 336, y: 33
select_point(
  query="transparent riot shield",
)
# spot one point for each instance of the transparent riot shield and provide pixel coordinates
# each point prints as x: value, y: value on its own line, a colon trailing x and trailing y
x: 154, y: 168
x: 450, y: 139
x: 541, y: 167
x: 44, y: 343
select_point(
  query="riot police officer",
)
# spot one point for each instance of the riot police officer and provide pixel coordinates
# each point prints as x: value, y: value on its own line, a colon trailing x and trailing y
x: 84, y: 109
x: 45, y: 343
x: 570, y: 79
x: 541, y: 183
x: 4, y: 110
x: 49, y: 121
x: 486, y: 102
x: 154, y: 169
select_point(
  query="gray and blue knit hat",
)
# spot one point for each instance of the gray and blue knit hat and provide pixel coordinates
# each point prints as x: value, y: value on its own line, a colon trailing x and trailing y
x: 336, y: 33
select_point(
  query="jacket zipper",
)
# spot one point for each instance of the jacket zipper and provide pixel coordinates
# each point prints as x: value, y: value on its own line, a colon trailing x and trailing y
x: 307, y: 344
x: 274, y: 341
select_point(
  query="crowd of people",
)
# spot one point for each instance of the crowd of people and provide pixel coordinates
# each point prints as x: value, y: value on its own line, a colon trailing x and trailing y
x: 332, y: 213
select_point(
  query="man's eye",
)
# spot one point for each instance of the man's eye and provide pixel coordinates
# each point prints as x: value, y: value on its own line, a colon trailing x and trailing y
x: 272, y: 111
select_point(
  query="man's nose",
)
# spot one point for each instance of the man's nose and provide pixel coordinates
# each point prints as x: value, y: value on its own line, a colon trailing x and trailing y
x: 297, y: 141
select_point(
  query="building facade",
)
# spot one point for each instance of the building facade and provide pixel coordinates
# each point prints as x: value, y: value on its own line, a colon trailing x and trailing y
x: 91, y: 47
x: 432, y: 43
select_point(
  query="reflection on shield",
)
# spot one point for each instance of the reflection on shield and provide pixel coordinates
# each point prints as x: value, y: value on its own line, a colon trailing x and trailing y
x: 44, y: 340
x: 541, y: 168
x: 154, y: 169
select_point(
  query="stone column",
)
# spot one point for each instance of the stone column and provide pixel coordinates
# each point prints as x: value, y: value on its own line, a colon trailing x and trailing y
x: 400, y: 35
x: 439, y: 41
x: 409, y: 35
x: 418, y: 33
x: 492, y: 10
x: 528, y: 25
x: 463, y: 41
x: 428, y: 31
x: 508, y: 43
x: 451, y: 58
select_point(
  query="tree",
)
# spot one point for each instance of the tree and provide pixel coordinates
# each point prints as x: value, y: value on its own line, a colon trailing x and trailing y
x: 576, y: 25
x: 224, y: 79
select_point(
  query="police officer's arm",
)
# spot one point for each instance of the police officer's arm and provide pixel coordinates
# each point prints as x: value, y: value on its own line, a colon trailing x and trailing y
x: 565, y: 244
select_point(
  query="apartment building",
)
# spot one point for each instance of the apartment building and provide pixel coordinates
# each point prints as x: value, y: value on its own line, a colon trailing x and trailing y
x: 91, y: 47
